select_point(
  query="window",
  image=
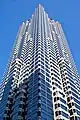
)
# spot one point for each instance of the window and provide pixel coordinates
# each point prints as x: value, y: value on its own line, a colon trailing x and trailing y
x: 58, y: 113
x: 69, y: 98
x: 47, y: 74
x: 65, y: 115
x: 63, y: 107
x: 72, y: 111
x: 73, y: 118
x: 57, y: 105
x: 62, y: 100
x: 48, y: 79
x: 71, y: 104
x: 56, y: 98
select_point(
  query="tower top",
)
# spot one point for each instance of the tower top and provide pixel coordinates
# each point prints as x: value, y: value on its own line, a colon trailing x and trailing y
x: 39, y: 6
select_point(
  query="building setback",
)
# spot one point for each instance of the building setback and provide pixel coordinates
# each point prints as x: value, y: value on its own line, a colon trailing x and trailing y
x: 41, y: 81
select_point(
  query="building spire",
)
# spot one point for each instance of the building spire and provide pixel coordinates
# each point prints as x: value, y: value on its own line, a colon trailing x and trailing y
x: 39, y: 6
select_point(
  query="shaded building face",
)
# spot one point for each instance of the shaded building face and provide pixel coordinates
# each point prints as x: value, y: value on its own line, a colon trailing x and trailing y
x: 41, y: 81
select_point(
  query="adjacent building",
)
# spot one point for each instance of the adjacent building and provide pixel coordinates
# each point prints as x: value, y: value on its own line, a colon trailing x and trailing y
x: 41, y: 81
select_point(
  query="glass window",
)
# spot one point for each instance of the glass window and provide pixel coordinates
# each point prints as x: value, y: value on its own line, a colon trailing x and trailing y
x: 65, y: 115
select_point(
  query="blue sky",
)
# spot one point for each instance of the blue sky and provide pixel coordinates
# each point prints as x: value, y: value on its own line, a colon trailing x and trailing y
x: 14, y: 12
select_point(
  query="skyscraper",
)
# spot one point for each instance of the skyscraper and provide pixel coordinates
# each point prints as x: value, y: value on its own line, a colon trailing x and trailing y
x: 41, y: 81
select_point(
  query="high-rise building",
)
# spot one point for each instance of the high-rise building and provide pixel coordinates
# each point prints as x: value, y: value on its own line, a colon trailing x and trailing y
x: 41, y: 81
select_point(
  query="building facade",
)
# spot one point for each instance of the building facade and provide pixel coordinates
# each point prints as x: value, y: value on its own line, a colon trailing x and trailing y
x: 41, y: 81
